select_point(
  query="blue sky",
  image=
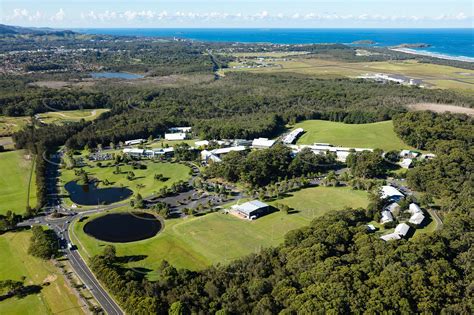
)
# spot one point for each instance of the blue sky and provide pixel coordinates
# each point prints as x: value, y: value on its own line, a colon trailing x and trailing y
x: 239, y: 13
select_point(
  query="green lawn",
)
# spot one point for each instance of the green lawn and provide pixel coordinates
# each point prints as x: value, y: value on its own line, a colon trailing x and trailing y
x: 15, y: 172
x: 197, y: 242
x: 61, y: 117
x: 376, y: 135
x: 56, y: 298
x: 173, y: 171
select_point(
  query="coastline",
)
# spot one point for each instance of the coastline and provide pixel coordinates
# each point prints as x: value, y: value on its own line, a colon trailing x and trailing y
x: 434, y: 55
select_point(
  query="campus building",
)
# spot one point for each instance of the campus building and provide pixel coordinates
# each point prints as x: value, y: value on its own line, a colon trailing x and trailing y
x: 251, y: 210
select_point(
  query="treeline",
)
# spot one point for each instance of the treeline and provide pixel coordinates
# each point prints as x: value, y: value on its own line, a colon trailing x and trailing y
x: 424, y: 130
x: 41, y: 141
x: 30, y: 101
x: 262, y: 167
x: 240, y: 126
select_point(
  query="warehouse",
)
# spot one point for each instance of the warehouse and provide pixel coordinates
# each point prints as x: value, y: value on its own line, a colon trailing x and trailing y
x: 251, y: 210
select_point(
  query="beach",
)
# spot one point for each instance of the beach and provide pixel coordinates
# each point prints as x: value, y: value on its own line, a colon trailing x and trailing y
x: 431, y: 54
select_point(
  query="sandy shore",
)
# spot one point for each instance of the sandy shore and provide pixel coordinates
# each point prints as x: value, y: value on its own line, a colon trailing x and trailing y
x: 430, y: 54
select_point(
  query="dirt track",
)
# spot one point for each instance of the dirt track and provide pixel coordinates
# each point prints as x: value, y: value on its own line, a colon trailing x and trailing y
x: 441, y: 108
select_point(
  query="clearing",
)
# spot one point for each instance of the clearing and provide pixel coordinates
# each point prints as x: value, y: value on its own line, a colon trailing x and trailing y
x: 55, y: 298
x: 62, y: 117
x: 10, y: 125
x: 198, y: 242
x: 16, y: 168
x: 375, y: 135
x: 439, y: 76
x: 441, y: 108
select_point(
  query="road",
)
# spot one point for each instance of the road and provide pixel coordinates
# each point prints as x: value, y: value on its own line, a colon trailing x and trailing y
x: 61, y: 227
x: 434, y: 215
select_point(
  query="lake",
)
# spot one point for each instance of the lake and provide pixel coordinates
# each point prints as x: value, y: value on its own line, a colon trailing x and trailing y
x: 92, y: 195
x: 116, y: 75
x: 123, y: 227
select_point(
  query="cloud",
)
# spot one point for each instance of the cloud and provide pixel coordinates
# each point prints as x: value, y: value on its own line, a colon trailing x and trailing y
x: 138, y: 17
x: 58, y: 16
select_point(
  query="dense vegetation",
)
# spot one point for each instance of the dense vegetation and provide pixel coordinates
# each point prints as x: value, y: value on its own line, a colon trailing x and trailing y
x: 43, y: 243
x: 34, y: 100
x: 262, y: 167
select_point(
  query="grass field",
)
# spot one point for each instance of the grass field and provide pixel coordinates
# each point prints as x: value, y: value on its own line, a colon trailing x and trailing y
x: 10, y: 125
x: 14, y: 181
x: 173, y: 171
x: 436, y: 75
x: 55, y: 298
x: 376, y: 135
x: 197, y: 242
x: 61, y: 117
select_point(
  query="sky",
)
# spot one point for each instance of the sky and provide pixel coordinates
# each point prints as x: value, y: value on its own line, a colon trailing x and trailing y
x: 238, y: 13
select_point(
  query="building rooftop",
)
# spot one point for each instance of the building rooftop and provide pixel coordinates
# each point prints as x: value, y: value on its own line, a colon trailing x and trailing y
x: 263, y: 142
x: 389, y: 192
x: 250, y: 206
x: 417, y: 218
x: 402, y: 229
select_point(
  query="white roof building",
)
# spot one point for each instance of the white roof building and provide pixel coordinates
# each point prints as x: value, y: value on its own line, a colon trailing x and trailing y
x: 207, y: 156
x: 292, y: 136
x: 392, y: 207
x: 251, y: 209
x: 133, y: 151
x: 175, y: 136
x: 201, y: 143
x: 221, y: 151
x: 414, y: 208
x: 402, y: 229
x: 262, y: 143
x: 417, y: 218
x: 406, y: 163
x: 135, y: 141
x: 386, y: 217
x: 390, y: 192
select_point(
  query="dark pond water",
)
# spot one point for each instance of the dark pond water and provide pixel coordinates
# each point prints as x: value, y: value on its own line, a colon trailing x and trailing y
x: 116, y: 75
x: 123, y: 227
x: 92, y: 195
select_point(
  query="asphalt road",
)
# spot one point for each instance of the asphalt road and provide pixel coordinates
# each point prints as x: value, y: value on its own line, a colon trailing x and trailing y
x: 61, y: 227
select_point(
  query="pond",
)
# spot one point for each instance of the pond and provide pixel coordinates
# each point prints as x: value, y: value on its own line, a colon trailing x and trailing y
x: 91, y: 195
x: 123, y: 227
x: 116, y: 75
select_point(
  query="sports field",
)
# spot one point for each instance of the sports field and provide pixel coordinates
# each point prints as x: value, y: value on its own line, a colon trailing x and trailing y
x: 439, y: 76
x: 61, y: 117
x: 144, y: 182
x: 15, y: 169
x: 375, y: 135
x: 197, y: 242
x: 15, y: 263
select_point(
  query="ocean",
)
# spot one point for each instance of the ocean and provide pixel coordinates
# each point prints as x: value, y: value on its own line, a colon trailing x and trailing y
x: 449, y: 42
